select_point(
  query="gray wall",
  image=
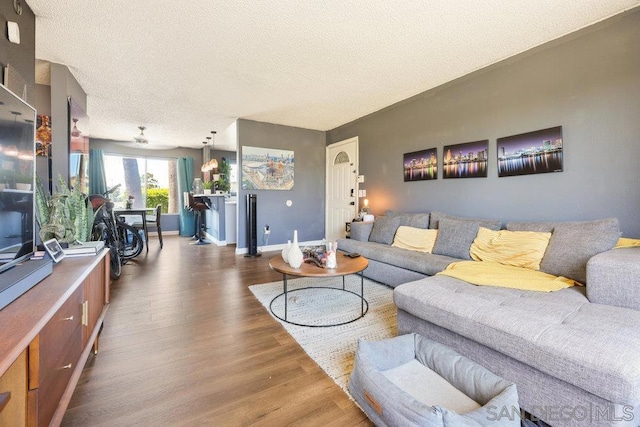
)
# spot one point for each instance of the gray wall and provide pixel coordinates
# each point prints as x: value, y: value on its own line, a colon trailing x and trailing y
x: 43, y: 99
x: 588, y: 83
x: 21, y: 56
x: 63, y: 87
x: 307, y: 212
x: 219, y: 154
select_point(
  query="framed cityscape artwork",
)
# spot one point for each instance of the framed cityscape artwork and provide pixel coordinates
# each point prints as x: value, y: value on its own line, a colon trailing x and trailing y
x: 267, y: 168
x: 468, y: 160
x: 421, y: 165
x: 43, y: 135
x: 530, y: 153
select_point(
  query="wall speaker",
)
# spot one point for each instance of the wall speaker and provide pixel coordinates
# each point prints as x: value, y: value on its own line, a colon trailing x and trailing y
x: 252, y: 228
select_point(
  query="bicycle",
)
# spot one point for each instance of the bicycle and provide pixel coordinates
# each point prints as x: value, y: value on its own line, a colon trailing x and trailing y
x: 123, y: 240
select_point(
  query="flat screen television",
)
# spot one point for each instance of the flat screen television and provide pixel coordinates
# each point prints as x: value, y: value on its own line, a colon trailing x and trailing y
x: 17, y: 179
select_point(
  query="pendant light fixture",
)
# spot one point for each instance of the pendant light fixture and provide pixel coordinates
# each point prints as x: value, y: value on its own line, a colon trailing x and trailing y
x: 213, y: 163
x: 141, y: 139
x: 78, y: 143
x: 75, y: 133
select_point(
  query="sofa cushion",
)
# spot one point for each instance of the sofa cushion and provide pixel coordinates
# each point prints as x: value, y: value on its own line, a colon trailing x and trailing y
x: 518, y: 248
x: 592, y: 346
x: 625, y: 242
x: 361, y: 230
x: 415, y: 239
x: 420, y: 262
x: 417, y: 220
x: 435, y: 217
x: 614, y: 278
x: 455, y: 237
x: 384, y: 228
x: 572, y: 244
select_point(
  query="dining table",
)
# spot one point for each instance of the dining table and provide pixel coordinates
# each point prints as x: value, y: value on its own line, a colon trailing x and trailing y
x: 136, y: 212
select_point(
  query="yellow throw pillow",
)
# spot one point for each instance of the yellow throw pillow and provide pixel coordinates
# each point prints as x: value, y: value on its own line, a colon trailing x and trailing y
x: 625, y: 242
x: 518, y: 248
x: 415, y: 239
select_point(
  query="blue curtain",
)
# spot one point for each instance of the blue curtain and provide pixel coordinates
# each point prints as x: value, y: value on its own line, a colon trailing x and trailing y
x: 185, y: 179
x: 97, y: 175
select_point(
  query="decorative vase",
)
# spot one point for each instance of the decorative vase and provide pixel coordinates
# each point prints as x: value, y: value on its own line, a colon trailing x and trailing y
x: 197, y: 187
x: 295, y: 254
x: 285, y: 251
x: 332, y: 261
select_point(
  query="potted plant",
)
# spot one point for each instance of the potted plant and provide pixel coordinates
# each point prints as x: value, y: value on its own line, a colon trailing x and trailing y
x: 224, y: 170
x: 66, y: 215
x: 207, y: 187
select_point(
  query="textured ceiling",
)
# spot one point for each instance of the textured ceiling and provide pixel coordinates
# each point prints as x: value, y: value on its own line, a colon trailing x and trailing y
x: 183, y: 69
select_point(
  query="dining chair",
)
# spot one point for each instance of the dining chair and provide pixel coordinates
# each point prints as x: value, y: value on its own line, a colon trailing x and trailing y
x: 154, y: 221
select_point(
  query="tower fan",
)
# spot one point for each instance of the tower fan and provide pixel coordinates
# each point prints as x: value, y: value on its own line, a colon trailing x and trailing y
x: 252, y: 229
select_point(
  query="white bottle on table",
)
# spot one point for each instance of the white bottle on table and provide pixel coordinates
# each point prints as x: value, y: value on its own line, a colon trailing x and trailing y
x: 295, y: 254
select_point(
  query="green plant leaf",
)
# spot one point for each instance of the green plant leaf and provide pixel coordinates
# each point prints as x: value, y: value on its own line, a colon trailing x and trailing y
x: 43, y: 206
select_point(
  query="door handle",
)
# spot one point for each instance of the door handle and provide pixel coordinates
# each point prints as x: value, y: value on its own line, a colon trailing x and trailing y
x: 352, y: 192
x: 352, y: 203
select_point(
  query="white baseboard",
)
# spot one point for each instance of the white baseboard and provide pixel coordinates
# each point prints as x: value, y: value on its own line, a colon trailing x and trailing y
x: 279, y: 247
x: 215, y: 241
x: 165, y: 233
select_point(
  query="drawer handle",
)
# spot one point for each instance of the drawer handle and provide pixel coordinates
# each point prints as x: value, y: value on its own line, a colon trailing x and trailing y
x: 68, y: 318
x: 4, y: 399
x: 67, y: 366
x: 85, y: 313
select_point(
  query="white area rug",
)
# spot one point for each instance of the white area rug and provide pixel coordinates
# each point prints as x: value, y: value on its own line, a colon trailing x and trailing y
x: 332, y: 348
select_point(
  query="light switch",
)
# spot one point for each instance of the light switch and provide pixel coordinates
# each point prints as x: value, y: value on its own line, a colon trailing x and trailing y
x: 13, y: 31
x: 360, y: 179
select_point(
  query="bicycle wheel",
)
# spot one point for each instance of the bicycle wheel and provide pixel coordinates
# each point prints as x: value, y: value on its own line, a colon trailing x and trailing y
x: 116, y: 264
x: 130, y: 241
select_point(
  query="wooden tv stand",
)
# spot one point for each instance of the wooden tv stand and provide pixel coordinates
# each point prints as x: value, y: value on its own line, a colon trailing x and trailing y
x: 47, y: 335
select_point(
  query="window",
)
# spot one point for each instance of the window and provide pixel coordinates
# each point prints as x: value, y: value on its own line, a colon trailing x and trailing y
x: 150, y: 181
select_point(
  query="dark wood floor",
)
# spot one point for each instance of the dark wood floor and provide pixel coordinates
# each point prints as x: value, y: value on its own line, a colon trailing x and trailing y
x: 186, y: 343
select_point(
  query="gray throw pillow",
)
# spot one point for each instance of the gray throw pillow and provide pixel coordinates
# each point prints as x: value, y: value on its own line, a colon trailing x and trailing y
x: 415, y: 220
x: 455, y: 237
x: 384, y: 230
x: 486, y: 223
x: 572, y: 244
x: 541, y: 227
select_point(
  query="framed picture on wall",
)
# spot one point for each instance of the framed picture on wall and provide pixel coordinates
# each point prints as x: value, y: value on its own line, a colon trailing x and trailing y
x: 267, y: 168
x: 468, y: 160
x: 530, y: 153
x: 421, y: 165
x: 43, y: 135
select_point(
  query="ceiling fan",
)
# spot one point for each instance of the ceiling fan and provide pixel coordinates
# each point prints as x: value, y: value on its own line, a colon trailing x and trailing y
x: 141, y: 139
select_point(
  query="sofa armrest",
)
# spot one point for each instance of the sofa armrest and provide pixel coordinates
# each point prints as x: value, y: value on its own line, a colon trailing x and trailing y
x: 613, y: 278
x: 361, y: 230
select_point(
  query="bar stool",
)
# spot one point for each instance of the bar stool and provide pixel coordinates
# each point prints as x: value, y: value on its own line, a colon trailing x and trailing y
x: 198, y: 207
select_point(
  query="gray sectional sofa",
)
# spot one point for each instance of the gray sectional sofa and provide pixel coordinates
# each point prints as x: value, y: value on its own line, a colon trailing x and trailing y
x: 394, y: 266
x: 574, y: 354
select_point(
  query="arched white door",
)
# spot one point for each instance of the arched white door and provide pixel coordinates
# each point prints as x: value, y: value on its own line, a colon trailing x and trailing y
x: 342, y: 187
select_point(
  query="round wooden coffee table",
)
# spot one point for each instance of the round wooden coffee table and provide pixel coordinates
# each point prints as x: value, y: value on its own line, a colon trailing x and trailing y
x: 346, y: 266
